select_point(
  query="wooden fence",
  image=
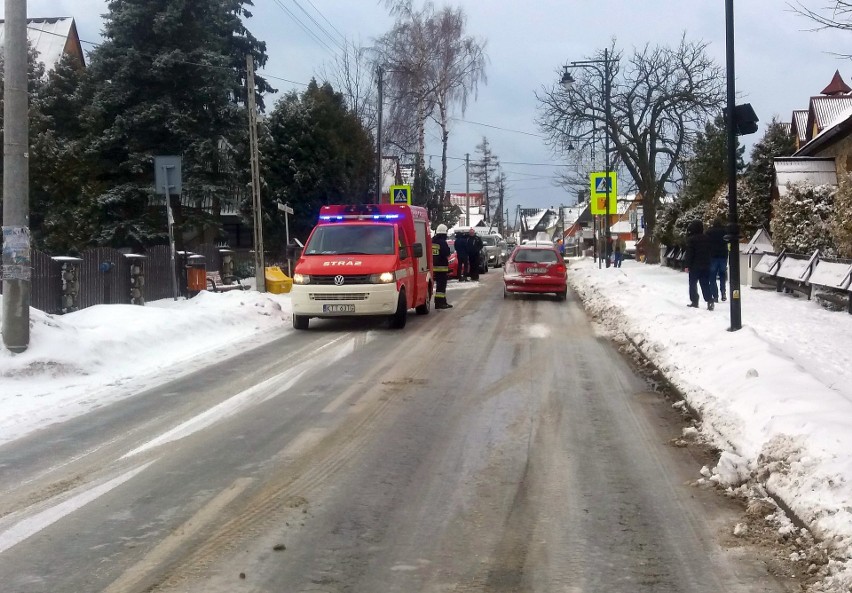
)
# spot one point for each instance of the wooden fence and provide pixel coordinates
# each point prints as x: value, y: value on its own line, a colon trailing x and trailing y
x: 104, y: 276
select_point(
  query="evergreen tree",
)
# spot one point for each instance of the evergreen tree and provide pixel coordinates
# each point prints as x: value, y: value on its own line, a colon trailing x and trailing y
x: 841, y: 224
x: 801, y: 220
x: 484, y: 171
x: 708, y: 170
x: 61, y: 218
x: 316, y: 152
x: 164, y: 82
x: 756, y: 201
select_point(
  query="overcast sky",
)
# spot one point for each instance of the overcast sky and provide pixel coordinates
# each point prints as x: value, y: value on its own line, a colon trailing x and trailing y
x: 780, y: 62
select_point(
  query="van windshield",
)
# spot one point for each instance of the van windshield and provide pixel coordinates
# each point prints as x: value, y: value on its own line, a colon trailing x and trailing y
x: 359, y: 239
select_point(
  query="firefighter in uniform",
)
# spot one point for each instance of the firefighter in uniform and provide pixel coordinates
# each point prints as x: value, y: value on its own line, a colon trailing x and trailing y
x: 440, y: 265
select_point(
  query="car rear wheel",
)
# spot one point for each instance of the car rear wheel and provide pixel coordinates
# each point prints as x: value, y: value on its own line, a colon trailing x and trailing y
x: 398, y: 319
x: 300, y: 321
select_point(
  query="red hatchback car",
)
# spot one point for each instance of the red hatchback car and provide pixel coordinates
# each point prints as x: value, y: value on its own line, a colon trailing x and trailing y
x: 535, y: 268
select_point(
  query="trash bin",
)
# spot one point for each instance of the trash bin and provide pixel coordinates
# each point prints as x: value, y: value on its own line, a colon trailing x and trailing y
x: 196, y: 274
x: 277, y: 282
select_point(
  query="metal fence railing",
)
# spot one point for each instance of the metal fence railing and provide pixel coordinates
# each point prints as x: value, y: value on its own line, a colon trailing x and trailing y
x: 102, y: 275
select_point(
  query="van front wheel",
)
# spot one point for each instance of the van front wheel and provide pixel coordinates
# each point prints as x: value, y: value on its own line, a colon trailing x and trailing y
x: 300, y: 321
x: 398, y: 319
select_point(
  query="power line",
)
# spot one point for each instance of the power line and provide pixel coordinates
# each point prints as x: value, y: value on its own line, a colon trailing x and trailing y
x: 476, y: 123
x: 304, y: 27
x: 317, y: 24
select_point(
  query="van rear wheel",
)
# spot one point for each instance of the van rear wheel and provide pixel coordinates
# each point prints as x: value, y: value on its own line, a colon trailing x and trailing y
x: 424, y: 308
x: 398, y: 319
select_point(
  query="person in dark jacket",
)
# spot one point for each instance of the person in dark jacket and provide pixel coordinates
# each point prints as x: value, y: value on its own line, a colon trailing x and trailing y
x: 441, y: 266
x: 718, y: 259
x: 463, y: 256
x: 474, y: 251
x: 697, y: 263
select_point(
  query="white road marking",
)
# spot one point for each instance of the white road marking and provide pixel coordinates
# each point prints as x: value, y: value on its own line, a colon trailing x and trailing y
x: 32, y: 525
x: 252, y: 396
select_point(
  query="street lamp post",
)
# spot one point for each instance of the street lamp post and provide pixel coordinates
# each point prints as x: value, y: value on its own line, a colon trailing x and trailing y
x: 567, y: 82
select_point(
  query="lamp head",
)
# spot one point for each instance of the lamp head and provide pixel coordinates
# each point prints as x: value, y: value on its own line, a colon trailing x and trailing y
x: 567, y: 80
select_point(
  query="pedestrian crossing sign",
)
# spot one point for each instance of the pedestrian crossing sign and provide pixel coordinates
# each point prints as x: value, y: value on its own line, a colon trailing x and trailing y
x: 400, y: 194
x: 600, y: 183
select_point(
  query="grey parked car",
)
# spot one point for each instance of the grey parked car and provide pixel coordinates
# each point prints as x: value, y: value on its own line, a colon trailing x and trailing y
x: 495, y: 249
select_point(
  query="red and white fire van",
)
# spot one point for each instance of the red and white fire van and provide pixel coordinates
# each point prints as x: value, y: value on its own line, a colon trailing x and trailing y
x: 365, y: 259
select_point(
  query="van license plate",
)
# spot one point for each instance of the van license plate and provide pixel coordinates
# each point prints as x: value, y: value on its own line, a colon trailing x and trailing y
x: 338, y: 308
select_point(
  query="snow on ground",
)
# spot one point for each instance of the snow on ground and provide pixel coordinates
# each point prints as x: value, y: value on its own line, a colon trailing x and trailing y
x: 84, y: 360
x: 775, y: 395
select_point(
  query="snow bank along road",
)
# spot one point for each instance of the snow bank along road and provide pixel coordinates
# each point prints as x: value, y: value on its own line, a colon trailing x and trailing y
x: 499, y: 446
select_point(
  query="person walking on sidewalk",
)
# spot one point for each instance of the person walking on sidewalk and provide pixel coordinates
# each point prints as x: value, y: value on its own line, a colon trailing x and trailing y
x: 618, y: 254
x: 718, y: 259
x: 697, y: 263
x: 474, y: 251
x: 441, y: 266
x: 463, y: 256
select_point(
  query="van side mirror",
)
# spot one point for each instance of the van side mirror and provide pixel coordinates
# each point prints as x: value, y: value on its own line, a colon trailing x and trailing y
x: 418, y: 250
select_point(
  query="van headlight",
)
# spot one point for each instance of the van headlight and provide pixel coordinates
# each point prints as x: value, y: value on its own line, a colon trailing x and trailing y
x: 301, y: 278
x: 383, y: 278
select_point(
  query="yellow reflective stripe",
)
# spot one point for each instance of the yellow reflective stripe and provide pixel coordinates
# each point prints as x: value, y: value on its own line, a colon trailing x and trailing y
x: 441, y: 268
x: 440, y: 295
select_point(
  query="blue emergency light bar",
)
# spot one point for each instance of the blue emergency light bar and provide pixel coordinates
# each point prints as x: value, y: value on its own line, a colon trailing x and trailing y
x: 339, y: 217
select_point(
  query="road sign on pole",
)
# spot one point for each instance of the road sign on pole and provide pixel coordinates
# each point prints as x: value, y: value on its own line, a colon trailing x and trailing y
x: 400, y: 194
x: 167, y: 177
x: 599, y: 192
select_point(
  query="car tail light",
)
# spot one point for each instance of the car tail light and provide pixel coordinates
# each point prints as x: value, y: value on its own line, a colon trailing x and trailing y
x: 560, y: 268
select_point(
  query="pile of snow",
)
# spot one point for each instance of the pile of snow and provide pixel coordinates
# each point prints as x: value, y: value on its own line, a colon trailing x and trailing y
x: 83, y: 360
x: 776, y: 396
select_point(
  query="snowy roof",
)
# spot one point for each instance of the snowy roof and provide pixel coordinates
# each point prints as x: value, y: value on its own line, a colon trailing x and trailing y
x: 622, y: 226
x: 811, y: 170
x: 835, y: 129
x: 761, y: 242
x: 800, y: 124
x: 825, y: 111
x: 51, y: 37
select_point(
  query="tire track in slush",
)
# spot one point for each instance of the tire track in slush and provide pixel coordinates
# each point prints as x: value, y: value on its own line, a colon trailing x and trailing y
x: 301, y: 480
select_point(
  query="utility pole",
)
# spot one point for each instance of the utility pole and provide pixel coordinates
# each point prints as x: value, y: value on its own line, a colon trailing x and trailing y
x: 259, y: 264
x: 467, y: 189
x: 379, y: 139
x: 733, y: 222
x: 17, y: 257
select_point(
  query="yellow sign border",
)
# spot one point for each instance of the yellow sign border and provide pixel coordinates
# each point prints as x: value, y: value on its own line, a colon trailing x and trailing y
x: 393, y: 190
x: 597, y: 200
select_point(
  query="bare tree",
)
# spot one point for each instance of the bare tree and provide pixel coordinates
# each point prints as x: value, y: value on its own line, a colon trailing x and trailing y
x: 405, y: 55
x: 354, y: 75
x: 458, y: 67
x: 837, y: 15
x: 432, y: 67
x: 660, y: 98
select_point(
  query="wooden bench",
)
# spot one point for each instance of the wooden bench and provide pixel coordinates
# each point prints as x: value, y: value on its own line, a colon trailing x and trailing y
x: 218, y: 284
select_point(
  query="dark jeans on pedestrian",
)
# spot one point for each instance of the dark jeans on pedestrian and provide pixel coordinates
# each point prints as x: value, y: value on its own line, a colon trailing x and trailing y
x: 464, y: 267
x: 474, y: 266
x: 702, y: 278
x: 617, y: 258
x: 718, y: 270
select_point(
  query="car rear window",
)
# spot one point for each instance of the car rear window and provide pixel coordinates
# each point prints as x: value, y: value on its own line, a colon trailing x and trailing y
x: 538, y: 256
